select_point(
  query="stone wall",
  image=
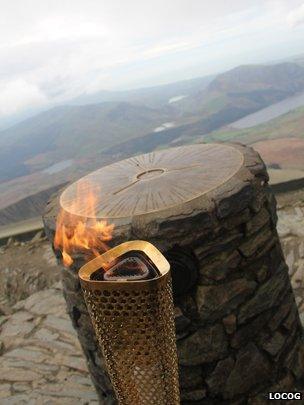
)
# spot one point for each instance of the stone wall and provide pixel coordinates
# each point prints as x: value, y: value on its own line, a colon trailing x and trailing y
x: 238, y: 330
x: 246, y: 336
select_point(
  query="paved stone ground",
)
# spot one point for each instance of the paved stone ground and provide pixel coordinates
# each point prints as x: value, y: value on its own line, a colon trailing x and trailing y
x: 41, y: 360
x: 291, y: 231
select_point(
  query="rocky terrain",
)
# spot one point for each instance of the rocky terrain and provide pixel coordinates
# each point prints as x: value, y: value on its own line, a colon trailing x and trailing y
x: 291, y: 231
x: 25, y: 269
x: 41, y: 360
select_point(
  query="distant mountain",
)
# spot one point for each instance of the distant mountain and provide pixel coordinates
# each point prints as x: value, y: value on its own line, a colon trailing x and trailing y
x: 241, y: 91
x: 73, y: 132
x: 154, y: 97
x: 28, y: 207
x: 299, y: 60
x: 79, y: 138
x: 149, y: 96
x: 286, y: 78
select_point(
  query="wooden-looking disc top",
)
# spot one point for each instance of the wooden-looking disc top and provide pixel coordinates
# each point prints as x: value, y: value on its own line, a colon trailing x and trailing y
x: 155, y: 181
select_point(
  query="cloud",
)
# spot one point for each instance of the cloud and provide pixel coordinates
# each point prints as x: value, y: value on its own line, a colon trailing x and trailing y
x: 18, y: 95
x: 52, y: 51
x: 296, y: 16
x: 58, y: 28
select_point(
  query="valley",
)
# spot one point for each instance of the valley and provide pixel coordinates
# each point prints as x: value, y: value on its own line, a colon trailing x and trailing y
x: 252, y: 104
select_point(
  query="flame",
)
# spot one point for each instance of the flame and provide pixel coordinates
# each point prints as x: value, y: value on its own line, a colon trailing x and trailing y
x: 83, y: 233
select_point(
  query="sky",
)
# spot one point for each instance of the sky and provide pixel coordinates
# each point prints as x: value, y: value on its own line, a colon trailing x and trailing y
x: 54, y: 50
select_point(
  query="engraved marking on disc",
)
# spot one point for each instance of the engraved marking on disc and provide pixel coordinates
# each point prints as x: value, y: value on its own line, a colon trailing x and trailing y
x: 149, y: 174
x: 158, y: 180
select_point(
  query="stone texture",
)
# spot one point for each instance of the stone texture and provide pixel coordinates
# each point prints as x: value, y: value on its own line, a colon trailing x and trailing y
x: 290, y: 322
x: 218, y: 378
x: 222, y: 242
x: 181, y: 323
x: 257, y: 222
x: 13, y: 374
x: 216, y: 301
x: 267, y: 296
x: 190, y: 377
x: 251, y: 245
x: 298, y: 366
x: 236, y: 202
x: 205, y: 345
x: 285, y: 384
x: 56, y: 323
x: 194, y: 395
x: 281, y: 313
x: 240, y: 219
x: 274, y: 344
x: 24, y: 272
x: 15, y: 330
x: 220, y: 265
x: 5, y: 390
x: 230, y: 323
x: 250, y: 369
x: 248, y: 332
x: 43, y: 363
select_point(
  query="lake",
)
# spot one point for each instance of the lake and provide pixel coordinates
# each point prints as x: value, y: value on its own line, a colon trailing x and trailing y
x: 269, y: 113
x: 58, y: 167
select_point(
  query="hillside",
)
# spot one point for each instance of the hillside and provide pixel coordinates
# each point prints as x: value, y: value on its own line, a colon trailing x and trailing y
x: 283, y: 153
x: 287, y: 125
x: 280, y: 141
x: 148, y: 96
x: 28, y: 207
x: 214, y: 128
x: 66, y: 142
x: 299, y: 60
x: 72, y: 132
x: 248, y: 88
x: 283, y: 78
x: 77, y: 131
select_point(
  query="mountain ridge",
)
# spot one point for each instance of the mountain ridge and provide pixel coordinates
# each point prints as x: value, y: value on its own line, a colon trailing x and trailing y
x: 95, y: 134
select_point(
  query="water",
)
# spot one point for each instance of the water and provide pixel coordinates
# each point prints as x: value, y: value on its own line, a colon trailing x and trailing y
x: 164, y: 126
x: 269, y: 113
x: 176, y: 99
x: 58, y: 167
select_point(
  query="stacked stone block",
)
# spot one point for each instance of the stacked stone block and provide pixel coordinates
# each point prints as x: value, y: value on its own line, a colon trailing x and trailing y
x: 238, y: 329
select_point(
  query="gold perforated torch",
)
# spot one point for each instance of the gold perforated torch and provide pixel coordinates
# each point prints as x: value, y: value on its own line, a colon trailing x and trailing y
x: 129, y: 297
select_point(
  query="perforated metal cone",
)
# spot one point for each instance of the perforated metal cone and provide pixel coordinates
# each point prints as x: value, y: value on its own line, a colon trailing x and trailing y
x: 134, y: 323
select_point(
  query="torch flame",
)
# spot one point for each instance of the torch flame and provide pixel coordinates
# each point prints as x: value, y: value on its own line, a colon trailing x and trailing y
x: 83, y: 233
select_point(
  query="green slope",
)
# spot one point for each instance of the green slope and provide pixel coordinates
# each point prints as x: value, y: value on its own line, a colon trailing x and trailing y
x: 287, y: 125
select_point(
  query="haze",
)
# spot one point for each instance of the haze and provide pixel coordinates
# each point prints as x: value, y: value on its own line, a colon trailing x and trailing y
x: 53, y: 51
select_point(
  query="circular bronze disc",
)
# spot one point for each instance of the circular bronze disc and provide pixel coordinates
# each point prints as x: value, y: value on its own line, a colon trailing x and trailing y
x: 155, y: 181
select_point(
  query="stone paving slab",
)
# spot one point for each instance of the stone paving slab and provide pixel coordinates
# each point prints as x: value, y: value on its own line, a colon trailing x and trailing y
x: 41, y: 361
x: 291, y: 231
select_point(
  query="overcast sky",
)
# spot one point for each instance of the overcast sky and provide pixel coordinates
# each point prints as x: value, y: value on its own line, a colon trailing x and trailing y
x: 54, y: 50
